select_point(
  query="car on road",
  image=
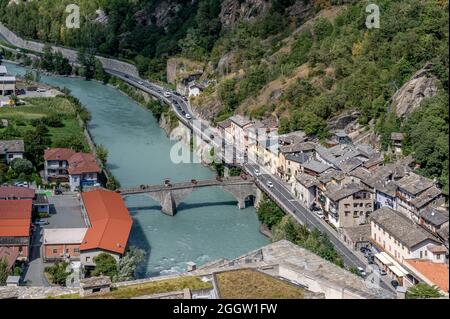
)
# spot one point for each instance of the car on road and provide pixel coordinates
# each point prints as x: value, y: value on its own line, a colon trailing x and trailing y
x: 319, y: 213
x: 257, y: 172
x: 383, y: 272
x: 394, y: 283
x: 127, y: 76
x: 188, y: 116
x: 361, y: 271
x: 140, y: 82
x: 211, y: 136
x: 183, y: 112
x: 41, y: 222
x: 41, y: 90
x: 269, y: 184
x: 167, y: 94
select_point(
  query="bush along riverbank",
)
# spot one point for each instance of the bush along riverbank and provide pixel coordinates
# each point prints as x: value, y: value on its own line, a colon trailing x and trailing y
x: 162, y: 112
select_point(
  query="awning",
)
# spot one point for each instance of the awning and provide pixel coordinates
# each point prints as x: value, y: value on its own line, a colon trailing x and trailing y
x: 392, y: 264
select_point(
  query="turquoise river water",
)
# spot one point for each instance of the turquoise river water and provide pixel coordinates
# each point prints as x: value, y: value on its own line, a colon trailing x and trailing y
x: 208, y: 224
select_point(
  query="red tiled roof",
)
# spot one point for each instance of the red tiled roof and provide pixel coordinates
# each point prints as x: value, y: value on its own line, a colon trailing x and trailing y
x: 109, y: 219
x: 15, y: 218
x: 16, y: 192
x: 58, y: 154
x: 437, y: 273
x: 81, y: 163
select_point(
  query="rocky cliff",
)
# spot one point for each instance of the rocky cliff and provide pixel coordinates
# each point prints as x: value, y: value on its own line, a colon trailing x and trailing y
x: 238, y: 10
x: 410, y: 95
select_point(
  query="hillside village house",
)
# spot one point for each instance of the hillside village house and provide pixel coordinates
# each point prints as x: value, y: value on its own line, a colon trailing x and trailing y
x: 415, y: 193
x: 7, y: 82
x: 348, y: 205
x: 10, y: 150
x: 15, y: 225
x: 305, y: 188
x: 434, y: 219
x: 65, y: 165
x: 401, y: 240
x: 108, y: 228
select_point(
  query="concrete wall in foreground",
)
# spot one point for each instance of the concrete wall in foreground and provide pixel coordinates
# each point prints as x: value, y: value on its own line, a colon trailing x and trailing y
x: 70, y: 54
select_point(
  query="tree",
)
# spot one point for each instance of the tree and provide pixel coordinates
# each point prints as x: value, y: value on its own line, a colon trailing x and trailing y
x: 58, y: 273
x: 269, y: 213
x: 4, y: 273
x: 423, y: 291
x: 36, y: 141
x: 74, y: 142
x: 22, y: 166
x: 128, y: 264
x: 102, y: 154
x: 112, y: 183
x: 105, y: 265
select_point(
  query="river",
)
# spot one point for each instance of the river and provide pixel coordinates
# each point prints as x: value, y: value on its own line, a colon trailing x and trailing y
x: 208, y: 224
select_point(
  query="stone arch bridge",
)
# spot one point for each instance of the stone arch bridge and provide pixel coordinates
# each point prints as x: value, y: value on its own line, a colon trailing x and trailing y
x: 170, y: 195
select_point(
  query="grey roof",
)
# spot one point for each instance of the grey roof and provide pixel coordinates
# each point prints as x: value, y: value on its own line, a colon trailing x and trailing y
x: 6, y: 241
x: 373, y: 160
x: 360, y: 233
x: 329, y: 175
x: 12, y: 146
x: 95, y: 282
x: 241, y: 121
x: 307, y: 180
x: 316, y: 166
x: 366, y: 150
x: 360, y: 173
x: 426, y: 197
x: 434, y: 216
x: 298, y: 157
x: 443, y: 232
x: 224, y: 124
x: 336, y: 194
x: 391, y: 171
x: 386, y: 187
x: 337, y: 154
x: 341, y: 134
x: 414, y: 183
x: 298, y: 147
x: 399, y: 226
x: 350, y: 164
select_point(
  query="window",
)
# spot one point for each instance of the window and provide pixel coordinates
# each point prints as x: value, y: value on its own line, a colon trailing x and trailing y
x: 76, y: 250
x: 438, y: 256
x: 88, y: 259
x: 426, y: 253
x: 421, y: 254
x: 55, y: 251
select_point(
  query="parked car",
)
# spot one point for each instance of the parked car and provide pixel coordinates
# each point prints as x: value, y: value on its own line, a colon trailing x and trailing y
x: 361, y: 271
x: 383, y: 272
x: 41, y: 222
x: 394, y: 283
x: 188, y: 116
x: 319, y: 213
x: 269, y: 184
x: 127, y: 76
x: 364, y: 249
x: 211, y: 136
x: 41, y: 90
x: 257, y: 172
x: 58, y: 191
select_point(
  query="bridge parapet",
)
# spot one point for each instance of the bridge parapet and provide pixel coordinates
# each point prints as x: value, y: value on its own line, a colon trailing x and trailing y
x: 169, y: 196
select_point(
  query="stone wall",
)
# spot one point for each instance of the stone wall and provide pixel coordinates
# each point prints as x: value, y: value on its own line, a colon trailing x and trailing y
x: 70, y: 54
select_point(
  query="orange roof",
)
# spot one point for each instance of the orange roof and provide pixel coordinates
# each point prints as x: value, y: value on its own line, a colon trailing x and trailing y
x: 80, y: 163
x: 15, y: 218
x: 58, y: 154
x: 437, y: 273
x: 109, y: 219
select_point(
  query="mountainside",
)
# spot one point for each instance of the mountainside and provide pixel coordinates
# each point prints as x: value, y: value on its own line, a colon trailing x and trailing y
x: 302, y: 62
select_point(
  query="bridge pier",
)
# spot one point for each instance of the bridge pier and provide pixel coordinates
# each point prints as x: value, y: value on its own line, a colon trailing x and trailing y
x: 170, y: 199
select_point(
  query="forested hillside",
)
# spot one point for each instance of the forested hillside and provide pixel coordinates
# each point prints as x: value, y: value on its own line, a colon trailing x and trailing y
x: 300, y: 61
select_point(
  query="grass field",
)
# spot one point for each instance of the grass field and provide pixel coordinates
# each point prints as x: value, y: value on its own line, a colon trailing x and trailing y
x: 251, y: 284
x: 150, y: 288
x: 37, y: 108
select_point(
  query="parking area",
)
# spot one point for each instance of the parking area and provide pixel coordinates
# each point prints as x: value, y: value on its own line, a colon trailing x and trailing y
x: 65, y: 212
